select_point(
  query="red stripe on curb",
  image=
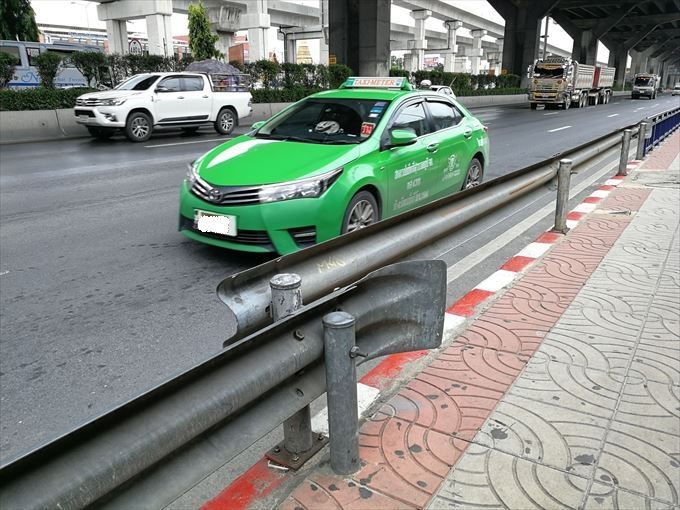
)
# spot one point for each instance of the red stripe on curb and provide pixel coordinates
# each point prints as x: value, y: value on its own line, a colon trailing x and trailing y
x: 591, y: 200
x: 255, y: 483
x: 606, y: 187
x: 619, y: 177
x: 549, y: 237
x: 465, y: 306
x: 575, y: 216
x: 517, y: 263
x: 389, y: 368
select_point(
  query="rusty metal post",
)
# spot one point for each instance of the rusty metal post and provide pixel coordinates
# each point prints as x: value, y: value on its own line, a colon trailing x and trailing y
x: 625, y: 149
x: 563, y: 185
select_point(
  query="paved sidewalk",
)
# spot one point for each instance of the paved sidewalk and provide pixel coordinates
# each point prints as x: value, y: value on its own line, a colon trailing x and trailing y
x: 562, y: 393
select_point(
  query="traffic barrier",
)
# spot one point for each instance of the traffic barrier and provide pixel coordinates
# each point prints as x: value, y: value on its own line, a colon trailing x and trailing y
x: 563, y: 186
x: 659, y: 126
x: 257, y: 381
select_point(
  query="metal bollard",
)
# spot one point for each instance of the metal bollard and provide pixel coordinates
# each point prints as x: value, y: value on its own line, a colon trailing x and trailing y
x: 625, y: 149
x: 341, y: 384
x: 299, y: 443
x: 642, y: 137
x: 563, y: 180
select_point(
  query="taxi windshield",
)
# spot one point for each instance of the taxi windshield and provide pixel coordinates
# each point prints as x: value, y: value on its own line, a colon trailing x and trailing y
x: 329, y: 121
x: 548, y: 71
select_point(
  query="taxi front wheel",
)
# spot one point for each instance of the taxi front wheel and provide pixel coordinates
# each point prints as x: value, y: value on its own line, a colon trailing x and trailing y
x: 361, y: 212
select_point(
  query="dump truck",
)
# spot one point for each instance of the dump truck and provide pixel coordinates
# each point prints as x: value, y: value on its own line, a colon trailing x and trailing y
x: 561, y: 81
x: 645, y: 84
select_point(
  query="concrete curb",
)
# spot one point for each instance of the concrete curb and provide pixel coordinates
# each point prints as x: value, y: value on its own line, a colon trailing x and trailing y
x: 48, y: 125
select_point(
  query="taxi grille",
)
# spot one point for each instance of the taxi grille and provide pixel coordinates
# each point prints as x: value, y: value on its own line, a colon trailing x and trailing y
x: 226, y: 195
x: 252, y: 237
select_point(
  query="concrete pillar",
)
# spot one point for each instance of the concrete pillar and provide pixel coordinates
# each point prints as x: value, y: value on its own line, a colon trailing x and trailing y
x: 226, y: 40
x: 584, y: 50
x: 359, y: 35
x: 323, y: 43
x: 618, y: 58
x: 225, y: 21
x: 418, y: 45
x: 499, y: 62
x: 461, y: 65
x: 257, y: 21
x: 521, y: 36
x: 116, y: 31
x: 159, y: 32
x: 408, y: 62
x: 289, y: 49
x: 450, y: 55
x: 476, y: 53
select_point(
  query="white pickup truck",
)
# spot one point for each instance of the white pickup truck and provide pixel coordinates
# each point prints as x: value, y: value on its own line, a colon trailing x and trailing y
x: 146, y: 102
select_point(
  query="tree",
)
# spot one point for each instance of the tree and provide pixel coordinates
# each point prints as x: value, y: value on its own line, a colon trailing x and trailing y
x: 48, y: 64
x: 88, y: 63
x: 17, y: 21
x: 7, y: 64
x: 201, y: 39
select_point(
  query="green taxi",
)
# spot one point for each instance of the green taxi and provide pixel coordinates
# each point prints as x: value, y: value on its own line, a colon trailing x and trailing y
x: 332, y: 163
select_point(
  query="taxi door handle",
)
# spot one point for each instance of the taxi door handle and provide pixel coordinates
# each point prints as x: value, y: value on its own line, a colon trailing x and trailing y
x: 180, y: 97
x: 433, y: 147
x: 467, y: 133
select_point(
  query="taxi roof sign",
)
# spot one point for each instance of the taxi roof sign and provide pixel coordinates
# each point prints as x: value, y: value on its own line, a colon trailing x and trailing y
x: 377, y: 82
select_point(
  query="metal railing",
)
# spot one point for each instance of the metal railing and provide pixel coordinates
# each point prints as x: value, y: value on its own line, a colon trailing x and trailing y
x: 142, y: 453
x: 658, y: 127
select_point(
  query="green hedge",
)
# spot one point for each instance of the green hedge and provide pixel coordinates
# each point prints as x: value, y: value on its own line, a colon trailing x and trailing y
x: 464, y: 84
x: 285, y: 95
x: 494, y: 92
x: 39, y: 98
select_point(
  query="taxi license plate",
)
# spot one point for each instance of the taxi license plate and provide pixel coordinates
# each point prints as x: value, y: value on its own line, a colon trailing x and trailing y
x: 215, y: 223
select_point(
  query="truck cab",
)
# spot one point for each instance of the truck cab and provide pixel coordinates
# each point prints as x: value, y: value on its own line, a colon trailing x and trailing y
x: 150, y: 101
x: 645, y: 85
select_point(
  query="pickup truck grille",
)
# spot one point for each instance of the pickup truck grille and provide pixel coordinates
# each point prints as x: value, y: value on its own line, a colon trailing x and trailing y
x: 226, y: 195
x: 88, y: 102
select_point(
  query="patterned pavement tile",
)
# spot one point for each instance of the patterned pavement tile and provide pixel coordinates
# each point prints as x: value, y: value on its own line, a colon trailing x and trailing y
x: 600, y: 229
x: 515, y: 335
x: 661, y: 331
x: 572, y: 387
x: 606, y: 497
x: 405, y: 460
x: 625, y: 199
x: 486, y: 478
x: 649, y: 404
x: 554, y: 436
x: 593, y: 338
x: 641, y: 460
x: 654, y: 363
x: 322, y: 491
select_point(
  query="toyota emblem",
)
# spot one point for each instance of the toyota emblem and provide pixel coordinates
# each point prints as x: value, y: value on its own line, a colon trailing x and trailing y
x: 215, y: 195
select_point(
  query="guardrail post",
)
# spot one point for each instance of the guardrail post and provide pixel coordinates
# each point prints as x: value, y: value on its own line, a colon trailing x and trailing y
x: 341, y: 387
x: 642, y: 139
x: 299, y: 442
x: 625, y: 149
x: 563, y: 180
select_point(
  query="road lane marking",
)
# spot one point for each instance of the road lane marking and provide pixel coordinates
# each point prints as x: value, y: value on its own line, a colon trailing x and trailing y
x: 558, y: 129
x: 4, y: 273
x: 186, y: 143
x: 551, y: 113
x: 613, y: 115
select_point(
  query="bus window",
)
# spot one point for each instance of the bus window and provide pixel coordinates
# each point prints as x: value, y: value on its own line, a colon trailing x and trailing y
x: 32, y: 53
x: 65, y: 55
x: 12, y: 50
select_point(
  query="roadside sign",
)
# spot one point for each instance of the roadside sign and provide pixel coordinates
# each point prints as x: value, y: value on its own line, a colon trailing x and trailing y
x: 135, y: 47
x: 504, y: 71
x: 332, y: 60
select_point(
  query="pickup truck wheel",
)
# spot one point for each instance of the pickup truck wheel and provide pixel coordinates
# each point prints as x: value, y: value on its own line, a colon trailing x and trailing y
x: 533, y: 105
x: 101, y: 133
x: 226, y: 122
x: 138, y: 127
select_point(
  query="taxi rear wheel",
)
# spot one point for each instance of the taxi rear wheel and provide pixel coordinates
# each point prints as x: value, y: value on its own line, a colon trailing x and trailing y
x: 361, y: 212
x: 474, y: 174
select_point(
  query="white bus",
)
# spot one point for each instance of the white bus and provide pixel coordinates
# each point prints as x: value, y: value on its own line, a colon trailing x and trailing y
x: 26, y: 75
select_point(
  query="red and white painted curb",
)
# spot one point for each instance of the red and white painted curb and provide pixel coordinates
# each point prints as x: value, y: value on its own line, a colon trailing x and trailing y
x: 262, y: 478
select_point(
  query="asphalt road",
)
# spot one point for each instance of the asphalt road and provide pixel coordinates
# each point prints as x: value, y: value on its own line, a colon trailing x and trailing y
x: 101, y: 297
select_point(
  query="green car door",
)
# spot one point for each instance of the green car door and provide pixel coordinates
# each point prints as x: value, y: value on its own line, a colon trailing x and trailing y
x: 453, y: 135
x: 409, y: 170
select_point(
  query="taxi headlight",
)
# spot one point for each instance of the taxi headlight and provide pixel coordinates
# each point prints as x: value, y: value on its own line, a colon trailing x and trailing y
x: 305, y: 188
x: 192, y: 174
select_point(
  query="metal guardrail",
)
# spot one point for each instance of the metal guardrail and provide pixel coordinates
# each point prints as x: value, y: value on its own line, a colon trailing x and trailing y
x: 139, y: 455
x: 659, y: 126
x: 398, y: 308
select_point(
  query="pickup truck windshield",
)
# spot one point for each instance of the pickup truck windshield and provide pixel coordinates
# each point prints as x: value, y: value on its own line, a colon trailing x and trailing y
x: 548, y: 72
x: 643, y: 82
x: 141, y: 82
x: 330, y: 121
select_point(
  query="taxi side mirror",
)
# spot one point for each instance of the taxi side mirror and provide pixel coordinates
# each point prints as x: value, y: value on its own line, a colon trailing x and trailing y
x: 258, y: 124
x: 401, y: 137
